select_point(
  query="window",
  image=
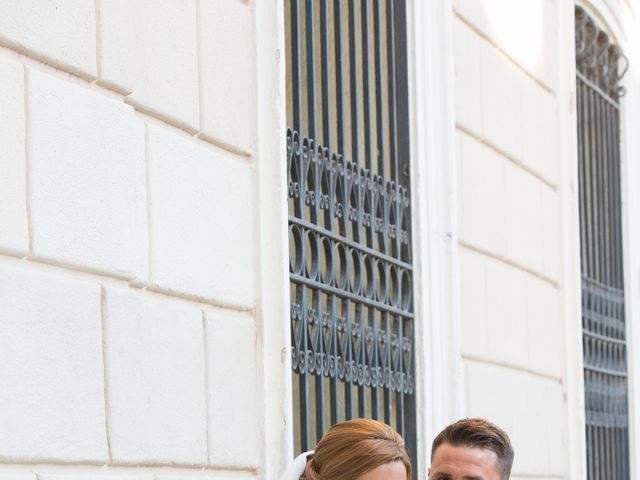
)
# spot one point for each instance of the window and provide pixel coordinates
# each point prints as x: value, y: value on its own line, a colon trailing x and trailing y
x: 600, y: 66
x: 349, y: 216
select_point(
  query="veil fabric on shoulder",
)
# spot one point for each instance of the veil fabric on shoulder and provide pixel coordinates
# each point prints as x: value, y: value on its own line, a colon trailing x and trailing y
x: 296, y: 467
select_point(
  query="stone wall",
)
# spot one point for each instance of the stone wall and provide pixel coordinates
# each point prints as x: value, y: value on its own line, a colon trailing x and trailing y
x: 128, y: 240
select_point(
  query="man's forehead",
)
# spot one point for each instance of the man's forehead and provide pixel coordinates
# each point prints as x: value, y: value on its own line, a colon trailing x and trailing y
x: 465, y: 462
x: 447, y: 448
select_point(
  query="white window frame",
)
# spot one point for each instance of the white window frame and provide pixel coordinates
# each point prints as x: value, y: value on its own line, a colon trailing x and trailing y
x: 432, y: 120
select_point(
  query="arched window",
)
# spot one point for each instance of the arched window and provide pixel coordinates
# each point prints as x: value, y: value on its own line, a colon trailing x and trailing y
x: 600, y: 65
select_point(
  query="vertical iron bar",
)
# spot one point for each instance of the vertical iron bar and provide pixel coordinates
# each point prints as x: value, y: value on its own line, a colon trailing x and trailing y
x: 400, y: 395
x: 361, y: 340
x: 355, y: 134
x: 379, y: 93
x: 391, y: 54
x: 295, y: 62
x: 589, y: 271
x: 311, y: 74
x: 615, y: 227
x: 374, y: 365
x: 304, y: 420
x: 409, y: 404
x: 592, y: 241
x: 581, y: 172
x: 589, y: 452
x: 606, y: 195
x: 602, y: 250
x: 337, y: 28
x: 393, y: 121
x: 401, y: 98
x: 387, y: 390
x: 366, y: 108
x: 318, y: 375
x: 594, y: 189
x: 348, y: 408
x: 365, y: 83
x: 333, y: 382
x: 324, y: 65
x: 617, y: 167
x: 353, y: 83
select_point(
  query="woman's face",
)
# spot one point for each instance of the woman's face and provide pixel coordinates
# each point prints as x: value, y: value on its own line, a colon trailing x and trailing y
x: 388, y: 471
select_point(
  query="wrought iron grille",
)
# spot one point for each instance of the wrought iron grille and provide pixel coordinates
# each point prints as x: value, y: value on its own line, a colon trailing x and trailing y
x: 349, y: 216
x: 600, y: 65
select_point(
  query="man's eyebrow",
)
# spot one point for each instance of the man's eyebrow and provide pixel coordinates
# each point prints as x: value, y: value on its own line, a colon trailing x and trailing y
x: 447, y: 475
x: 442, y: 474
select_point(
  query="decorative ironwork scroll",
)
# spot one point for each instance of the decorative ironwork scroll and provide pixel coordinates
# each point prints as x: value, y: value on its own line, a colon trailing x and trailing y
x: 599, y: 60
x: 353, y: 303
x: 600, y: 66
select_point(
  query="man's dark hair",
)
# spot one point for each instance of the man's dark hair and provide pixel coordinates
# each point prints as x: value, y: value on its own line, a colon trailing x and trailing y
x: 478, y: 433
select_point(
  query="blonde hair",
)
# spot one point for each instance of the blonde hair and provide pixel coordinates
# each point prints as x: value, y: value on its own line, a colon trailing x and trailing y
x: 352, y: 448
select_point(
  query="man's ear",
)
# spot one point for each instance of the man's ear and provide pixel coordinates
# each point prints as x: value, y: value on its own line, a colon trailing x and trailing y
x: 429, y: 472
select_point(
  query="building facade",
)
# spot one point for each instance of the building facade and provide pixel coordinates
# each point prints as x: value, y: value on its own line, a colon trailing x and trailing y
x: 164, y: 266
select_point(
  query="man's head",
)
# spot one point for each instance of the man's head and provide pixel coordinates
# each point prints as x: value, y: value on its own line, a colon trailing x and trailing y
x: 471, y: 448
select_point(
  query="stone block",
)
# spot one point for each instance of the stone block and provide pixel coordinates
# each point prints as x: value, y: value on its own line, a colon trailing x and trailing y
x: 473, y: 303
x: 201, y: 212
x: 14, y: 229
x: 540, y: 132
x: 88, y: 199
x: 468, y: 87
x: 154, y: 353
x: 18, y: 476
x: 60, y: 32
x: 228, y: 75
x: 507, y: 328
x: 502, y: 101
x: 552, y: 241
x: 213, y: 475
x: 539, y: 413
x: 488, y: 393
x: 51, y: 370
x: 482, y: 196
x: 545, y: 328
x: 526, y: 30
x: 150, y: 49
x: 233, y: 397
x: 90, y: 476
x: 524, y: 218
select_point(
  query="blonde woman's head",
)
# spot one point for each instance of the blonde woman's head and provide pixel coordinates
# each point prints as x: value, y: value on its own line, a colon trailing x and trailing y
x: 355, y: 448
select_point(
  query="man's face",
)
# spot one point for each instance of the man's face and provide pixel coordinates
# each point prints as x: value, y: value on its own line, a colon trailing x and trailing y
x: 463, y: 463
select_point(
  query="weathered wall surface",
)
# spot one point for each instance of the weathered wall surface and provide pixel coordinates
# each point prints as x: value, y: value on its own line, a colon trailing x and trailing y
x: 510, y: 232
x: 128, y: 251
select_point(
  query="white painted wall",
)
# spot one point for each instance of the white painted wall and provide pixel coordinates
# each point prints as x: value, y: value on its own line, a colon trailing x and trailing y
x: 510, y: 106
x: 134, y: 264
